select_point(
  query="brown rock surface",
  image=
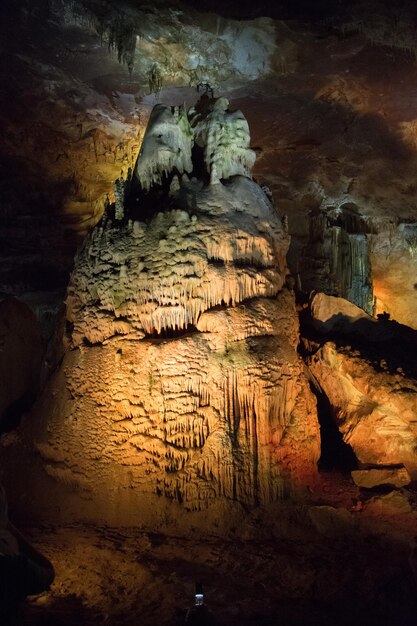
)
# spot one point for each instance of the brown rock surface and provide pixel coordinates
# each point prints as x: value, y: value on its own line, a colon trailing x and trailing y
x: 182, y: 382
x: 374, y: 406
x: 374, y: 477
x: 330, y: 314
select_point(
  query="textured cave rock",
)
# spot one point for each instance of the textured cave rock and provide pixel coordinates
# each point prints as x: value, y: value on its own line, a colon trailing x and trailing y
x: 182, y: 382
x: 332, y: 314
x: 375, y: 477
x: 333, y: 120
x: 157, y: 158
x: 224, y: 138
x: 336, y: 259
x: 366, y: 368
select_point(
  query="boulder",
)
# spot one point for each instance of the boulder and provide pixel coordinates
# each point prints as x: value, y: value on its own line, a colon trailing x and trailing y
x: 332, y: 522
x: 377, y: 476
x: 391, y: 504
x: 372, y: 398
x: 330, y: 314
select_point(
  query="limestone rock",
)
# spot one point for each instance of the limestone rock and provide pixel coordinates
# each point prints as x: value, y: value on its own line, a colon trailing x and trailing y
x: 373, y: 399
x: 183, y: 383
x: 166, y: 146
x: 391, y: 504
x: 336, y: 259
x: 332, y: 522
x: 222, y: 135
x: 330, y: 313
x: 224, y: 138
x: 182, y: 263
x: 374, y: 477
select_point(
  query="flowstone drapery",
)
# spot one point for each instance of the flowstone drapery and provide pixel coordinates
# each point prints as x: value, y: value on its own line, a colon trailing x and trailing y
x: 182, y: 381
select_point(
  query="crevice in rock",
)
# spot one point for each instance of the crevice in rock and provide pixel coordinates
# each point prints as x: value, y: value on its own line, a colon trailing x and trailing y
x: 335, y: 453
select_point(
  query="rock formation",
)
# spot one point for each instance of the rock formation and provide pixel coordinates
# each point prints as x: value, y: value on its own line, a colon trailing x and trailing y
x: 337, y: 259
x: 367, y: 370
x: 377, y: 476
x: 224, y: 138
x: 166, y: 146
x: 182, y: 380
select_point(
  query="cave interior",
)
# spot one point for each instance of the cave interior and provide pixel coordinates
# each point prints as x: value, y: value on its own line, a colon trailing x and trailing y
x: 208, y: 298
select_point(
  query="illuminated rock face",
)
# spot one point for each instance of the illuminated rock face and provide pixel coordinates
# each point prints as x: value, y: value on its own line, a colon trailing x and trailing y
x: 183, y: 381
x: 224, y: 138
x: 167, y: 145
x: 224, y: 247
x: 222, y: 135
x: 369, y: 376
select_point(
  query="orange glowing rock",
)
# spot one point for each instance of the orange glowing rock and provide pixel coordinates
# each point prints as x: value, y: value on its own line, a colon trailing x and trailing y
x: 369, y: 377
x: 182, y: 382
x: 375, y: 476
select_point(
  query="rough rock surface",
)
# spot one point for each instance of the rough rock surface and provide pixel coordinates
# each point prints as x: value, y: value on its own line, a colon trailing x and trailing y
x: 369, y: 378
x: 333, y: 121
x: 374, y: 477
x: 156, y: 157
x: 183, y: 381
x: 331, y: 314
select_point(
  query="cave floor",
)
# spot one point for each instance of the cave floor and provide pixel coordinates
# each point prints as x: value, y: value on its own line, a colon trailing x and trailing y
x: 289, y: 564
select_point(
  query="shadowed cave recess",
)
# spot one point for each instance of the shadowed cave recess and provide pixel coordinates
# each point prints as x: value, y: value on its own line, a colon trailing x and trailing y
x: 208, y: 230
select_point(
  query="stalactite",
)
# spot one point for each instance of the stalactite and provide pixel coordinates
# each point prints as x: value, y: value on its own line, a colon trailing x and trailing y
x: 337, y: 258
x: 119, y: 199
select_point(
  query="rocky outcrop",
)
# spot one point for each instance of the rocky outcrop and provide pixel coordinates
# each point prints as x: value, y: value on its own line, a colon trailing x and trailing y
x: 377, y: 476
x: 330, y: 314
x: 183, y: 381
x: 367, y: 371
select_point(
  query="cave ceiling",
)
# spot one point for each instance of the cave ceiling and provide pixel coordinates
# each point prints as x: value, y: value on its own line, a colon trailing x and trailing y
x: 327, y: 88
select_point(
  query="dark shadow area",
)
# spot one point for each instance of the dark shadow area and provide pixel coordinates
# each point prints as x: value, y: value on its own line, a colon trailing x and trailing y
x: 67, y: 610
x: 335, y: 453
x: 36, y: 246
x: 12, y: 415
x: 144, y: 205
x: 172, y: 333
x: 306, y: 579
x: 349, y: 218
x: 302, y: 10
x: 387, y: 345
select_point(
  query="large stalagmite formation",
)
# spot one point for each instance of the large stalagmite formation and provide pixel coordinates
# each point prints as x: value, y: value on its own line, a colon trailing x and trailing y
x: 182, y: 381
